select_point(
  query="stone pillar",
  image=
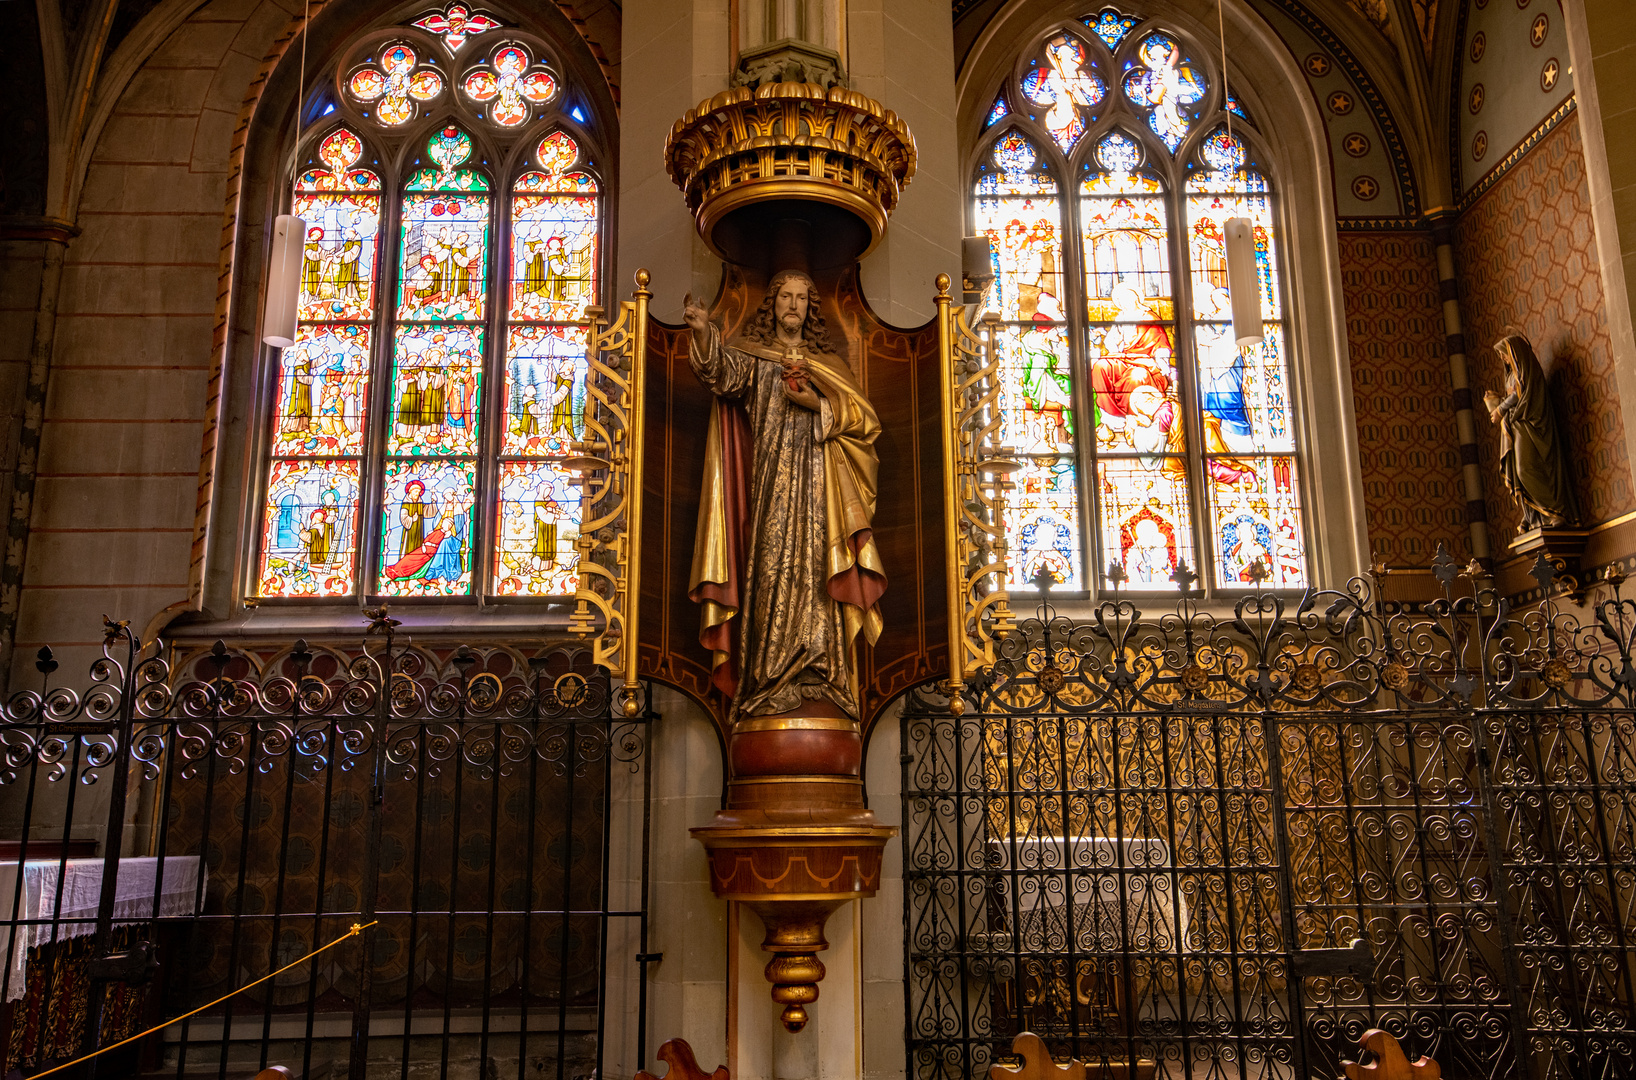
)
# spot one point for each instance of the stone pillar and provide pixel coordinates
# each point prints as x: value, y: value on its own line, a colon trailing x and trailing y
x: 901, y: 53
x: 1442, y: 223
x: 675, y: 55
x: 1602, y: 50
x: 690, y: 990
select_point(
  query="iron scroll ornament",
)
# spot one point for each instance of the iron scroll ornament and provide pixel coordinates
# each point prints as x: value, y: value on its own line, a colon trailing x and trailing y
x: 1344, y: 649
x: 1140, y: 828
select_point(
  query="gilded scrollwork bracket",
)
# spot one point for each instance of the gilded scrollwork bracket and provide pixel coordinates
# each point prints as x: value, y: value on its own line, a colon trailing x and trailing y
x: 607, y: 468
x: 977, y: 471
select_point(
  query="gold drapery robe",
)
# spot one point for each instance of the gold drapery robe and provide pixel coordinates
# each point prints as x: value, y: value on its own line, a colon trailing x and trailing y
x: 784, y: 560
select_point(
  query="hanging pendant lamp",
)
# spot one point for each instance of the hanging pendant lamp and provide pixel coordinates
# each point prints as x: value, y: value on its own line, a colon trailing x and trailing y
x: 278, y: 316
x: 1243, y: 286
x: 1238, y: 236
x: 283, y: 282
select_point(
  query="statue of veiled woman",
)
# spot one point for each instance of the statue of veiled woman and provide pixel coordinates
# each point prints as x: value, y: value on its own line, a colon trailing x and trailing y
x: 1532, y: 457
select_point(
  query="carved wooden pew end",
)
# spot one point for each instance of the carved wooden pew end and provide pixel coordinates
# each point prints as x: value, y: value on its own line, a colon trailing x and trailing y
x: 683, y: 1065
x: 1037, y: 1065
x: 1390, y: 1062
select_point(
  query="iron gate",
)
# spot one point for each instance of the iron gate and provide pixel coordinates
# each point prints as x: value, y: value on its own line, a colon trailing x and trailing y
x: 455, y: 802
x: 1229, y: 845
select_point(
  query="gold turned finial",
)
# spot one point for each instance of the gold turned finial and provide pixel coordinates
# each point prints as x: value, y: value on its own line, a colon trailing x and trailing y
x: 942, y: 286
x: 642, y: 278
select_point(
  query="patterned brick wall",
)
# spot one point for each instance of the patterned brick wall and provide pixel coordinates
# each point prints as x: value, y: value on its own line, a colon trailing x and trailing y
x: 1526, y: 253
x: 1407, y: 443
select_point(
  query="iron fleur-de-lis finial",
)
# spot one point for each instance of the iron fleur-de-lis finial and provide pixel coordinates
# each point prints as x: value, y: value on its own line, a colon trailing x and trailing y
x: 1184, y: 577
x: 1543, y: 572
x: 1117, y: 575
x: 1256, y: 571
x: 111, y: 630
x: 1044, y: 578
x: 1444, y: 568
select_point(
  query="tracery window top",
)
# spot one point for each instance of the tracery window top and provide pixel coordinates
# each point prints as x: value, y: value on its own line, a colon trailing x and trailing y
x: 509, y: 84
x: 456, y: 24
x: 1149, y: 440
x: 1065, y: 85
x: 416, y: 428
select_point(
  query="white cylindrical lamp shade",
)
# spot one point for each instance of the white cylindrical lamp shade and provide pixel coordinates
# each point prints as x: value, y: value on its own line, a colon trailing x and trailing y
x: 1243, y: 285
x: 283, y: 282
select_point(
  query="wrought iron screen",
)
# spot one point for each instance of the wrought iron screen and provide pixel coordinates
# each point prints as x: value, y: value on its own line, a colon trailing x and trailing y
x: 1229, y: 845
x: 460, y: 799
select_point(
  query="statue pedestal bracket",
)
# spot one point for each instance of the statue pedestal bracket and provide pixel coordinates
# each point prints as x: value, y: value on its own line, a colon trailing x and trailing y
x: 1562, y: 549
x: 795, y: 841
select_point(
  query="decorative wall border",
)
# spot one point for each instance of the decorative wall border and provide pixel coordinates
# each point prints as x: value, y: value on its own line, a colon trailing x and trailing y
x: 1494, y: 175
x: 1380, y: 224
x: 1459, y: 66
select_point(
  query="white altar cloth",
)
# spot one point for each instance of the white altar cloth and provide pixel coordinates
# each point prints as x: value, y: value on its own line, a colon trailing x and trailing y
x: 80, y: 882
x: 1084, y: 881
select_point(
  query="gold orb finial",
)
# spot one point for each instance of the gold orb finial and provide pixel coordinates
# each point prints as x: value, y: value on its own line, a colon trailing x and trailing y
x: 643, y: 277
x: 942, y: 285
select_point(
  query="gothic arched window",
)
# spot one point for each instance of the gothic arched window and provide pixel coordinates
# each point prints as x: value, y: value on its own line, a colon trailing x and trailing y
x: 453, y: 208
x: 1148, y: 438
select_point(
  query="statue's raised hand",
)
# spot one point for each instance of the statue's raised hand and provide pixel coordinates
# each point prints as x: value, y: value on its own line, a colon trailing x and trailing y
x: 697, y: 319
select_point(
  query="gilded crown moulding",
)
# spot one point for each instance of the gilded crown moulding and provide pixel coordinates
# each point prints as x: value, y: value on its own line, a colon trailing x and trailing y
x: 743, y: 157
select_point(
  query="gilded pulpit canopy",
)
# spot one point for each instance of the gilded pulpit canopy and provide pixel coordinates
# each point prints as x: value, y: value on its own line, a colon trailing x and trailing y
x: 1532, y: 461
x: 784, y: 560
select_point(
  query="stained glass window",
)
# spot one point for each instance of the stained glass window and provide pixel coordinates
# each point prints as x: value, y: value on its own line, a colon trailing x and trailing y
x: 509, y: 84
x: 554, y: 257
x: 1019, y: 208
x: 1066, y: 86
x: 456, y: 25
x: 384, y: 477
x: 1110, y: 282
x: 1244, y: 392
x: 1110, y: 26
x: 397, y: 84
x: 997, y: 112
x: 321, y: 395
x: 1166, y: 86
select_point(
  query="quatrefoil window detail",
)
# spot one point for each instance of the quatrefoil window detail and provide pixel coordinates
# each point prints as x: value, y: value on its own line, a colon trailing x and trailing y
x: 456, y: 24
x: 511, y: 82
x: 396, y: 84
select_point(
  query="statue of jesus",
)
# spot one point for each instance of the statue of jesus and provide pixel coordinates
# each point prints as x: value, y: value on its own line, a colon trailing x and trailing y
x: 784, y: 561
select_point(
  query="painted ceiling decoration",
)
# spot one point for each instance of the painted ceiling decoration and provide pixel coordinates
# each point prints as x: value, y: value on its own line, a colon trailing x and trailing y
x: 1425, y: 18
x: 1375, y: 12
x: 1374, y: 185
x: 1512, y: 84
